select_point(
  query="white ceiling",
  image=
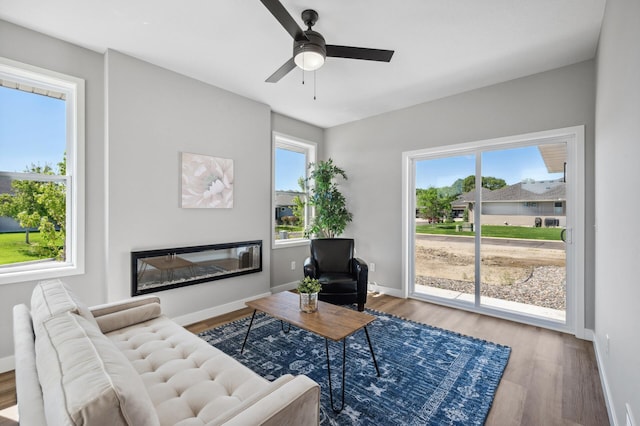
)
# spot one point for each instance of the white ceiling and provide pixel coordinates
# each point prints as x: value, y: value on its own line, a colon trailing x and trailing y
x: 442, y: 47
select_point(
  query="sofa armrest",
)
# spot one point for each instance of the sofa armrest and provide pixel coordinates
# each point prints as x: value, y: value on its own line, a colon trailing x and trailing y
x: 297, y: 403
x: 29, y: 392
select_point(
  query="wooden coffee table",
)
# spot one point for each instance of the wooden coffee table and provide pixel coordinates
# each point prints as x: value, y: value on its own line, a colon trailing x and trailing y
x: 329, y: 321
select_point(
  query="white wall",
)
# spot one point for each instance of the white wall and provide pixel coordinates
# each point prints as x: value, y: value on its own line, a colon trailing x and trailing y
x: 154, y: 115
x: 282, y: 257
x: 20, y: 44
x: 370, y: 152
x: 617, y: 304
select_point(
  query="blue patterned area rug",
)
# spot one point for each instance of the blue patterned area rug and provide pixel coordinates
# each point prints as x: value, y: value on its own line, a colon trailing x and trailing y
x: 429, y: 376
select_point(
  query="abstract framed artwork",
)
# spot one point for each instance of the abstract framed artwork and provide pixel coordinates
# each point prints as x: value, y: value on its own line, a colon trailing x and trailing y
x: 207, y: 182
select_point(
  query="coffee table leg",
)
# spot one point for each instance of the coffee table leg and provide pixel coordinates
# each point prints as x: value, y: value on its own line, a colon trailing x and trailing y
x: 375, y: 363
x: 344, y: 358
x: 248, y: 330
x: 282, y: 327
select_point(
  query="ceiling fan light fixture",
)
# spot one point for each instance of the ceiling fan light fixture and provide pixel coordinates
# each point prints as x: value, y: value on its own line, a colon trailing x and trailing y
x: 309, y: 58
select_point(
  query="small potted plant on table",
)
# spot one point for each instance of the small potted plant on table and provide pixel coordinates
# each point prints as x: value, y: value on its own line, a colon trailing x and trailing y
x: 308, y: 289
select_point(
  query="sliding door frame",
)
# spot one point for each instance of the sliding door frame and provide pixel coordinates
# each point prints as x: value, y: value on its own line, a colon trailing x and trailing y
x: 575, y: 292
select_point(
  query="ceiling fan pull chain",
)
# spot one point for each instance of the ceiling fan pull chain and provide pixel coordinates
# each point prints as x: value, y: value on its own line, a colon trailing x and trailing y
x: 303, y: 69
x: 314, y: 85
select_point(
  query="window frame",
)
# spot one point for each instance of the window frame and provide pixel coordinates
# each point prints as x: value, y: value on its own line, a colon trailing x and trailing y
x: 309, y: 149
x: 74, y: 90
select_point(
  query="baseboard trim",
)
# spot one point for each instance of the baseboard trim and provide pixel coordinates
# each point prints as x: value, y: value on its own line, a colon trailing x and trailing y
x: 7, y: 363
x: 376, y: 288
x: 215, y: 311
x: 603, y: 380
x: 284, y: 287
x: 588, y: 335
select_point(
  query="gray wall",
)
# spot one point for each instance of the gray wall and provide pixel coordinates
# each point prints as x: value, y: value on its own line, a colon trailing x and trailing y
x: 282, y: 257
x: 32, y: 48
x: 370, y: 151
x: 154, y: 115
x: 617, y: 177
x: 133, y: 172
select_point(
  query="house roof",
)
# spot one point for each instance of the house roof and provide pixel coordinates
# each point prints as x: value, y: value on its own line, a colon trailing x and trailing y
x: 519, y: 192
x: 285, y: 198
x: 468, y: 197
x: 5, y: 184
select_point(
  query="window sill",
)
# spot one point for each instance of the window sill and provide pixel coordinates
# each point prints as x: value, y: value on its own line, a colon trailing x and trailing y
x: 281, y: 244
x: 19, y: 275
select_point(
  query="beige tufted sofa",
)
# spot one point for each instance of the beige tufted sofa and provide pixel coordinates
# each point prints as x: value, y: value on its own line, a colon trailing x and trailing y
x: 126, y: 364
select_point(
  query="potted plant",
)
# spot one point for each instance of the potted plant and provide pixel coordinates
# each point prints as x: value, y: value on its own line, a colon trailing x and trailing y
x: 331, y: 214
x: 308, y: 289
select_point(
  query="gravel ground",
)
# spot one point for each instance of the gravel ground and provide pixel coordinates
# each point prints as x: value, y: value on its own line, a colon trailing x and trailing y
x: 544, y: 287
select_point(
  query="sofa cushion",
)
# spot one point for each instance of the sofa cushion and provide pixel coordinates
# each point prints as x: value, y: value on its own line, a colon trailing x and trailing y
x: 53, y: 297
x: 85, y: 379
x: 189, y: 381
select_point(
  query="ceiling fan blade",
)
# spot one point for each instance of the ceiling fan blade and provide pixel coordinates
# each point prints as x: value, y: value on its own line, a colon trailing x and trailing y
x: 359, y: 53
x: 286, y: 20
x: 282, y: 71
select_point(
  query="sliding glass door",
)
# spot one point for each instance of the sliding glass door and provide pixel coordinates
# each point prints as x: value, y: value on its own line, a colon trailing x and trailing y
x: 522, y: 255
x: 489, y: 229
x: 444, y: 258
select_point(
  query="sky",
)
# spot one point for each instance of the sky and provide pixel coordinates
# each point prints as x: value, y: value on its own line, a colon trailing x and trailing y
x: 290, y: 166
x: 32, y: 130
x: 512, y: 165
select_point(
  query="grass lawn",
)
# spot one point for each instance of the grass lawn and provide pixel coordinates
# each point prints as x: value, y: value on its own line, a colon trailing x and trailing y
x: 499, y: 231
x: 290, y: 228
x: 13, y: 249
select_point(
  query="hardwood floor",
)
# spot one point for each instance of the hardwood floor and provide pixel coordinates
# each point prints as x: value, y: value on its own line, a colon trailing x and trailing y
x: 7, y: 398
x: 551, y: 377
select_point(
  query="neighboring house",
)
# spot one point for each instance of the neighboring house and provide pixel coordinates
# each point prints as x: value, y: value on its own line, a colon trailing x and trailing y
x: 464, y: 201
x: 284, y: 203
x: 7, y: 224
x: 518, y: 204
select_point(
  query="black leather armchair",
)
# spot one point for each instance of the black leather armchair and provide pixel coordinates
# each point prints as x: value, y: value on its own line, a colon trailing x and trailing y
x: 343, y: 277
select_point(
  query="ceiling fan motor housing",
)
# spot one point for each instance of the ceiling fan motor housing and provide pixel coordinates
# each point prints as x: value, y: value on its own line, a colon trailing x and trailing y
x: 315, y: 43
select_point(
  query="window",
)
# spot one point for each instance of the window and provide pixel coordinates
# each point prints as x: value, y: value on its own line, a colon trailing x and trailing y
x: 291, y: 159
x: 41, y: 173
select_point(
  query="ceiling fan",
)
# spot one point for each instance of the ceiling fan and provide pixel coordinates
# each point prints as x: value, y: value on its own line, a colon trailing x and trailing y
x: 309, y: 47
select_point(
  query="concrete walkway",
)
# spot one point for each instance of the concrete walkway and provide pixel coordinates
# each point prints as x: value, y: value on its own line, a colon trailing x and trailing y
x: 513, y: 242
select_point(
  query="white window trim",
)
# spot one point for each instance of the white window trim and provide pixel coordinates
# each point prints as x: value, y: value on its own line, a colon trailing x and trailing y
x: 575, y: 320
x: 73, y: 88
x: 295, y: 144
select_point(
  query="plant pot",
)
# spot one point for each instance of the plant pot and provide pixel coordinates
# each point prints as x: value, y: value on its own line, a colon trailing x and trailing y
x: 308, y: 302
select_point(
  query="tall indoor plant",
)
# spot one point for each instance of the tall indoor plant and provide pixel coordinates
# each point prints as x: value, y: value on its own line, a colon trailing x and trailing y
x: 331, y: 214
